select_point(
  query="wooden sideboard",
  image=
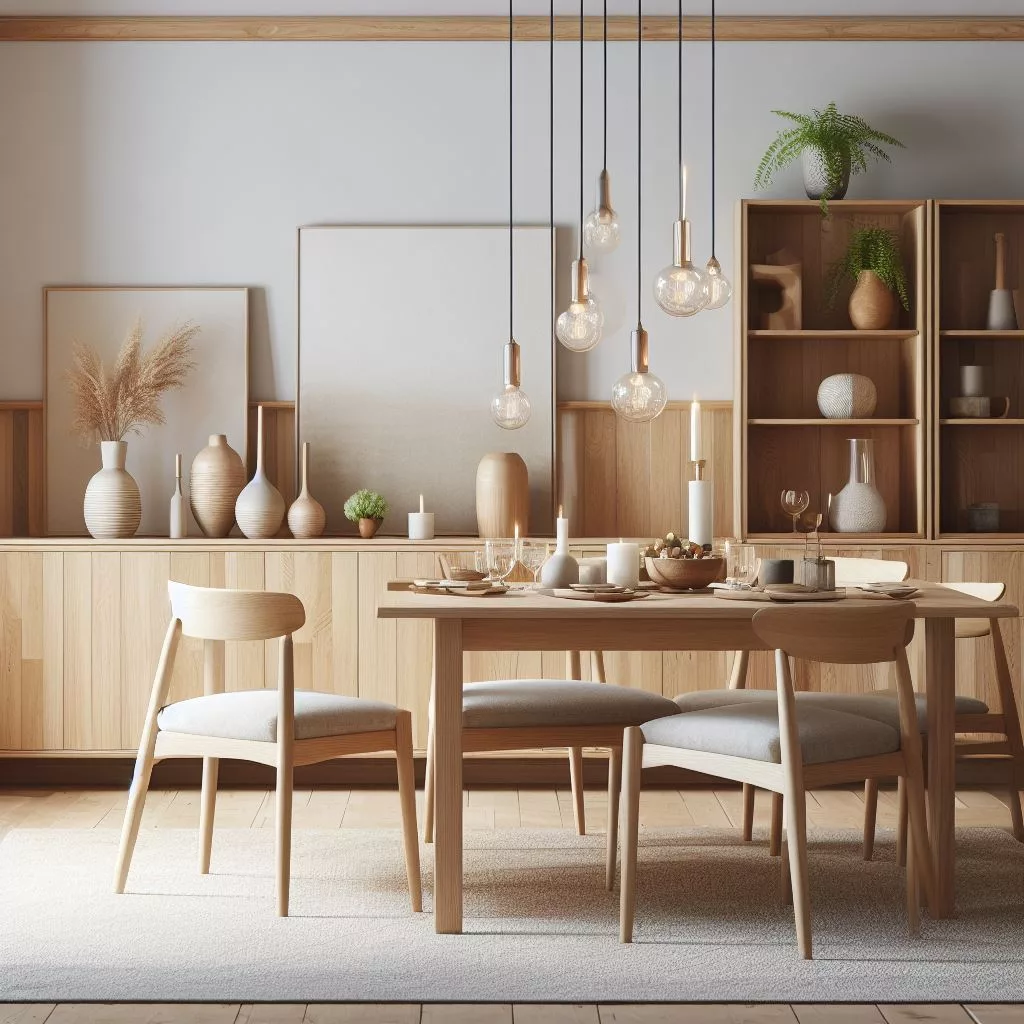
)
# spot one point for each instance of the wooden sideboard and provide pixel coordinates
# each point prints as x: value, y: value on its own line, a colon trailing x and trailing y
x: 81, y: 624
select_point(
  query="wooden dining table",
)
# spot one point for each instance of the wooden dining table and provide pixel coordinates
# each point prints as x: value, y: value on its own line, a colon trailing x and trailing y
x: 524, y: 620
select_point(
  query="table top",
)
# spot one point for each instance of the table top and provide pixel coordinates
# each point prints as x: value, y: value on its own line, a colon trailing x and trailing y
x: 933, y: 602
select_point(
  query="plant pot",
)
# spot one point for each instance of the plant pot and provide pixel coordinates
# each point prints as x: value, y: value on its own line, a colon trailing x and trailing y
x: 858, y: 507
x: 369, y: 527
x: 215, y: 482
x: 259, y: 509
x: 816, y: 178
x: 872, y: 304
x: 112, y: 506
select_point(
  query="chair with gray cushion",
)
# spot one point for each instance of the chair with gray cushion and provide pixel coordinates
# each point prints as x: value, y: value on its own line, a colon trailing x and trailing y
x: 281, y: 728
x: 787, y: 746
x: 527, y: 714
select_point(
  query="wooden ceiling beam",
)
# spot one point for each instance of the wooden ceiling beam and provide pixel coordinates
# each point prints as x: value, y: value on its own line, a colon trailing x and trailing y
x: 438, y: 28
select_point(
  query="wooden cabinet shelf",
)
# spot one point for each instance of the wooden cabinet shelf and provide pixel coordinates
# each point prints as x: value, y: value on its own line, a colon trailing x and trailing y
x: 982, y: 334
x: 979, y: 422
x: 836, y: 334
x: 822, y: 422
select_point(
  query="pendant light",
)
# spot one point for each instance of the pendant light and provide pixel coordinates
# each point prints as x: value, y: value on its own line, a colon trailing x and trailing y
x: 510, y: 408
x: 579, y: 327
x: 601, y: 232
x: 681, y: 289
x: 639, y: 395
x: 719, y: 286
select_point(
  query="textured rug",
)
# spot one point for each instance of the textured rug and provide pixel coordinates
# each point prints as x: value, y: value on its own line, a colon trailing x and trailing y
x: 539, y: 924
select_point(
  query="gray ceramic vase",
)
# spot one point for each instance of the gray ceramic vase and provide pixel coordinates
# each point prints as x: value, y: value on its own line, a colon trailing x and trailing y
x: 816, y: 179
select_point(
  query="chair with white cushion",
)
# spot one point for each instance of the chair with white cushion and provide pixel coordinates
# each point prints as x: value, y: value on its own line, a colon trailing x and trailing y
x: 281, y: 728
x: 787, y: 746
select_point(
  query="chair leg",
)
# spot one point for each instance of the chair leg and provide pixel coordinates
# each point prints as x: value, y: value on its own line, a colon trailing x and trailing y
x: 428, y: 788
x: 407, y: 798
x: 632, y: 763
x: 612, y: 844
x: 1016, y: 817
x: 870, y: 816
x: 1011, y: 718
x: 132, y: 820
x: 748, y: 812
x: 207, y: 809
x: 796, y: 840
x: 901, y: 822
x: 775, y: 837
x: 576, y: 782
x: 913, y: 895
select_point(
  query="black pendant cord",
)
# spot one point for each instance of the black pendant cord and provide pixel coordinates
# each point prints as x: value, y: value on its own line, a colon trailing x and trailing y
x: 679, y: 87
x: 639, y: 148
x: 551, y: 148
x: 604, y: 76
x: 712, y: 129
x: 582, y: 213
x: 511, y: 176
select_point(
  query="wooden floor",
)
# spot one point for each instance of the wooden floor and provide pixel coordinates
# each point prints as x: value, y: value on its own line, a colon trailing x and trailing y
x: 322, y: 808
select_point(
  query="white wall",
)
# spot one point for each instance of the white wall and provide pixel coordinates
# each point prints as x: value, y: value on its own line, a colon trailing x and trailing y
x: 192, y: 163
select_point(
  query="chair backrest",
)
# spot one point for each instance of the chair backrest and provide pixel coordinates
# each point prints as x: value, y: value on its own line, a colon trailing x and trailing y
x: 836, y: 635
x: 971, y: 629
x: 210, y: 613
x: 852, y: 571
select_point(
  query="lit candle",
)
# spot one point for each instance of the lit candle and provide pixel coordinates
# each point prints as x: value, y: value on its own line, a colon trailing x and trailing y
x: 624, y: 564
x: 561, y: 534
x: 421, y: 524
x: 695, y: 438
x: 422, y: 509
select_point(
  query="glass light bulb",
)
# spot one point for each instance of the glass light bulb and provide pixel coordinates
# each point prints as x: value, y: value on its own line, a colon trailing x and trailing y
x: 639, y: 397
x: 510, y: 408
x: 719, y: 286
x: 579, y: 327
x: 681, y: 291
x: 601, y: 231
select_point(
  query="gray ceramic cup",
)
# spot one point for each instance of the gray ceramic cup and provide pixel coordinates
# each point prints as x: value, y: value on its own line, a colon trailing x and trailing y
x: 775, y: 570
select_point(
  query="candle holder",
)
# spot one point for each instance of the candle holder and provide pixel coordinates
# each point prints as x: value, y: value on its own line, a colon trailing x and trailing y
x: 701, y: 506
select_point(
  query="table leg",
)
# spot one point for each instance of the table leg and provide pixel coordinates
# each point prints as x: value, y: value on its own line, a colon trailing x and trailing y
x: 940, y: 682
x: 447, y: 776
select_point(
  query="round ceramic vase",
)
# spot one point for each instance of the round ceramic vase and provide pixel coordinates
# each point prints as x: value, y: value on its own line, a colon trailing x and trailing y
x: 845, y: 396
x: 216, y: 480
x: 306, y: 517
x: 816, y: 179
x: 259, y: 510
x: 113, y: 507
x: 872, y: 304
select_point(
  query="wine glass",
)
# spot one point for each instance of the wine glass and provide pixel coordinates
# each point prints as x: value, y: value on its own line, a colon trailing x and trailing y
x: 533, y: 555
x: 741, y: 564
x: 499, y: 558
x: 794, y: 504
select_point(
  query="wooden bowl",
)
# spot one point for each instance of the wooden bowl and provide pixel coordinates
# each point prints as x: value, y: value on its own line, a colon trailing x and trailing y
x: 685, y: 573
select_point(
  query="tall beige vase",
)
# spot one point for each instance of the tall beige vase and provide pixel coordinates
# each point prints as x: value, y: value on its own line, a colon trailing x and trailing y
x: 259, y: 510
x: 215, y: 482
x: 306, y: 517
x: 502, y: 495
x: 872, y: 304
x: 112, y: 507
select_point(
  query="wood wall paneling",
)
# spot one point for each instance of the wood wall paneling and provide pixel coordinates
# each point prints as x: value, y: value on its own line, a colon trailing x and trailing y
x: 22, y: 470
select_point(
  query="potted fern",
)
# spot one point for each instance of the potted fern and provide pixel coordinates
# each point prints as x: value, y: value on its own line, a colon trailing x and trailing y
x: 367, y: 509
x: 873, y: 260
x: 831, y: 146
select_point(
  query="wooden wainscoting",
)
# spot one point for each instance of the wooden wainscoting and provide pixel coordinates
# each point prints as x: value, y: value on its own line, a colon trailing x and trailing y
x: 22, y: 470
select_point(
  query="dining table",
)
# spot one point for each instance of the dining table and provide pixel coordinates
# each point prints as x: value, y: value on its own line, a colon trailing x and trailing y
x: 528, y: 620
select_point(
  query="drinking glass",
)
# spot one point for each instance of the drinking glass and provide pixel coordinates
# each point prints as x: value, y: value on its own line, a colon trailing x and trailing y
x: 500, y: 557
x: 533, y: 555
x: 794, y: 504
x: 741, y: 563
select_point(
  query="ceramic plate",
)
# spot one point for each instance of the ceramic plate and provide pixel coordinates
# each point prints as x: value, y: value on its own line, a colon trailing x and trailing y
x: 605, y: 597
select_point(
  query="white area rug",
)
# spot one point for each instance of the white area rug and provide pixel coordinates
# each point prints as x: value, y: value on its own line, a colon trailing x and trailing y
x: 540, y: 925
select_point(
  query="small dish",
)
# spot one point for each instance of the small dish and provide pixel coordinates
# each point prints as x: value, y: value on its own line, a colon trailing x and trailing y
x: 597, y: 588
x: 898, y: 591
x: 602, y: 597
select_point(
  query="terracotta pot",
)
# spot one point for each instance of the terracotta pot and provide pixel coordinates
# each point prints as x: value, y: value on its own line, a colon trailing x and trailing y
x: 369, y: 527
x: 502, y: 495
x: 216, y: 480
x: 112, y: 507
x: 872, y: 304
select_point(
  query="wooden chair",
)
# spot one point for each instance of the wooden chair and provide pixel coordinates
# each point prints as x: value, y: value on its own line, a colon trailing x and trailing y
x: 787, y: 747
x: 526, y: 714
x: 281, y: 729
x: 972, y: 716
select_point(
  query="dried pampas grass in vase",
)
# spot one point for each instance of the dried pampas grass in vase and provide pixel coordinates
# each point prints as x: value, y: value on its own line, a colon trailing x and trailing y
x: 111, y: 405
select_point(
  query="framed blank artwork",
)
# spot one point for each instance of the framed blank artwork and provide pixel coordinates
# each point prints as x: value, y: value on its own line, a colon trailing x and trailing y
x: 401, y: 334
x: 213, y: 400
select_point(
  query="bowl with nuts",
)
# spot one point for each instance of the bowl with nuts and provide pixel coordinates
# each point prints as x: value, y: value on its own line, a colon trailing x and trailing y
x: 677, y: 564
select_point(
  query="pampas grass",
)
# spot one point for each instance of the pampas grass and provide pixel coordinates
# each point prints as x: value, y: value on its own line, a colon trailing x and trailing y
x: 108, y: 406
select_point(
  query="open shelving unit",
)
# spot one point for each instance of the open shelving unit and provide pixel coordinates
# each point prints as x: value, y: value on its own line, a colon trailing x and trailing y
x: 976, y: 460
x: 782, y: 441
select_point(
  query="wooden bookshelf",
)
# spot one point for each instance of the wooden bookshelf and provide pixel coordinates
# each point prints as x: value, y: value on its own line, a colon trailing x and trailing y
x: 782, y: 440
x: 976, y: 460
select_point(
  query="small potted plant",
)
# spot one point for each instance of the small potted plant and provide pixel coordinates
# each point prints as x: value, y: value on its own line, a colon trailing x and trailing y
x: 368, y: 509
x: 873, y: 261
x: 831, y: 146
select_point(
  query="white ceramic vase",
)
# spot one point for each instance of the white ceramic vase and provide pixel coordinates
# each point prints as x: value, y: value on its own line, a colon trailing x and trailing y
x: 306, y: 517
x: 859, y: 507
x: 845, y: 396
x: 259, y: 510
x: 113, y: 507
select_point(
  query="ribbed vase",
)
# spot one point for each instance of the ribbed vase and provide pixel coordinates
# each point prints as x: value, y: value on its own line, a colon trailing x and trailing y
x: 113, y: 507
x: 216, y: 480
x: 259, y: 510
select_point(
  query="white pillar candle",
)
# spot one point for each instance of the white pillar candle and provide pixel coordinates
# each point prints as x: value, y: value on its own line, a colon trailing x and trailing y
x: 624, y: 564
x: 421, y: 524
x: 701, y: 511
x: 561, y: 534
x: 695, y: 439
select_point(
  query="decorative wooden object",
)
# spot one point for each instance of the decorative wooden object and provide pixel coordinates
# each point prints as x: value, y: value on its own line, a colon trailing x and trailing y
x: 306, y: 517
x: 872, y: 304
x: 502, y: 495
x: 216, y: 480
x: 113, y: 507
x: 259, y: 509
x: 782, y: 441
x: 782, y: 273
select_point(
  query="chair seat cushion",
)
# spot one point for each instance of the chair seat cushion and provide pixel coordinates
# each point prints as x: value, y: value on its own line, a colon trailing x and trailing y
x: 751, y: 730
x: 881, y: 705
x: 528, y: 703
x: 252, y: 715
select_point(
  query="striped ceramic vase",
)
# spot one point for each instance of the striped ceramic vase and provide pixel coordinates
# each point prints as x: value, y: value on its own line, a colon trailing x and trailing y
x: 113, y: 507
